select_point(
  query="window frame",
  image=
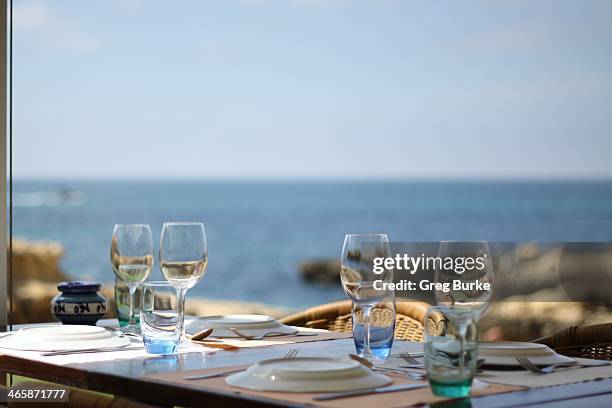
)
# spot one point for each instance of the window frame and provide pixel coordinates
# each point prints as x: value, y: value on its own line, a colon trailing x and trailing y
x: 5, y: 37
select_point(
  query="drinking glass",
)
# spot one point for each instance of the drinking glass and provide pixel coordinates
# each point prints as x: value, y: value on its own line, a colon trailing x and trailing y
x: 463, y: 275
x: 381, y: 327
x: 131, y: 255
x: 183, y: 257
x: 159, y: 316
x: 358, y: 277
x: 451, y: 351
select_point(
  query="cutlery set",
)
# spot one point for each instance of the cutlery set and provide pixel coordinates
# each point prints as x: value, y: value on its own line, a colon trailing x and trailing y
x: 402, y: 371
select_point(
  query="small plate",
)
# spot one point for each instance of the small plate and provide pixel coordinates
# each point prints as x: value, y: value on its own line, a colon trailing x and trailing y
x: 62, y: 337
x: 253, y: 325
x: 308, y: 374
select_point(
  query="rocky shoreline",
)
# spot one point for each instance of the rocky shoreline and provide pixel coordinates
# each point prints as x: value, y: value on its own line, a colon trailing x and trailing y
x: 37, y: 271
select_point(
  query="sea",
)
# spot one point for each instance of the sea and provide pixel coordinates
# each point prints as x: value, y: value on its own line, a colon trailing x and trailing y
x: 259, y: 232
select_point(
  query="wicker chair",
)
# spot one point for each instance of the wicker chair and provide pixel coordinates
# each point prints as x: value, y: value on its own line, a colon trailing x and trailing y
x: 337, y: 317
x: 587, y: 342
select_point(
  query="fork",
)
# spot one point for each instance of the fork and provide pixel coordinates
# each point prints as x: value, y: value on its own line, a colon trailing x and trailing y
x: 408, y: 358
x: 260, y: 337
x: 410, y: 374
x: 291, y: 354
x: 529, y: 365
x: 288, y: 355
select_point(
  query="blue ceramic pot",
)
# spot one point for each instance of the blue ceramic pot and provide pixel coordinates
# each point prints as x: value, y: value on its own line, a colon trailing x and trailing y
x: 78, y: 303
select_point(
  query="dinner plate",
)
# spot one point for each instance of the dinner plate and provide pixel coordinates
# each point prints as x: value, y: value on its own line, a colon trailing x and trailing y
x: 504, y: 353
x: 308, y: 374
x: 253, y: 325
x: 513, y: 348
x: 62, y: 337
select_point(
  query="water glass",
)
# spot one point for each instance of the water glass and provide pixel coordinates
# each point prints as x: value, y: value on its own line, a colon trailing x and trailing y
x: 451, y: 351
x: 159, y: 317
x: 381, y: 325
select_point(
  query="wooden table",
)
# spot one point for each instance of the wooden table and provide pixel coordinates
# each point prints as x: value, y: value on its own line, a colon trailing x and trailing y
x: 126, y: 378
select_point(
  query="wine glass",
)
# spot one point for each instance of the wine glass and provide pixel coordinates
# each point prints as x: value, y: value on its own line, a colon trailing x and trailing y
x: 466, y: 269
x: 358, y: 277
x: 183, y: 258
x: 131, y: 255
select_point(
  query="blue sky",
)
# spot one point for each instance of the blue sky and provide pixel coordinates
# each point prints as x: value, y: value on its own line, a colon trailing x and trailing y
x: 245, y: 89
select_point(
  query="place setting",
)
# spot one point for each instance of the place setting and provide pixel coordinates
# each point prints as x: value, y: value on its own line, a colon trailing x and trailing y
x: 157, y: 328
x: 248, y: 330
x: 445, y: 366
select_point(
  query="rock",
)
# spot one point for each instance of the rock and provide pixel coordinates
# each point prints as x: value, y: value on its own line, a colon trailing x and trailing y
x: 526, y: 270
x: 209, y: 307
x: 37, y: 260
x: 323, y: 271
x: 523, y: 320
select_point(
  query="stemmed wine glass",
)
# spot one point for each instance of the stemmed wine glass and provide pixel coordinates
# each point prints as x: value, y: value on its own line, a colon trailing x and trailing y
x: 471, y: 264
x: 183, y: 258
x: 131, y: 255
x: 358, y: 278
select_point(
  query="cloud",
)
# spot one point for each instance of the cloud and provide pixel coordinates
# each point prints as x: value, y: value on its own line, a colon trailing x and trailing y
x: 79, y: 43
x: 31, y: 15
x: 517, y: 38
x: 37, y: 21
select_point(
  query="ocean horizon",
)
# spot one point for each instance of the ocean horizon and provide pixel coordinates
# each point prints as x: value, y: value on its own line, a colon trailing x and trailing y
x: 259, y: 231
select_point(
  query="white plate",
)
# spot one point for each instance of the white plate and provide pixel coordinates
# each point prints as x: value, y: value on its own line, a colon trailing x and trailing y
x: 62, y: 337
x: 513, y: 348
x: 253, y: 325
x: 308, y: 374
x: 504, y: 352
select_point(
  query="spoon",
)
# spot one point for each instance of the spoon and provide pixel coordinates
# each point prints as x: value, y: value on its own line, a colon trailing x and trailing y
x: 202, y: 334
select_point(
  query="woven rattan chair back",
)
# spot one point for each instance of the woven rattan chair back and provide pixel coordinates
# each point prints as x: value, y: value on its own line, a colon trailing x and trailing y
x: 588, y: 342
x: 337, y: 316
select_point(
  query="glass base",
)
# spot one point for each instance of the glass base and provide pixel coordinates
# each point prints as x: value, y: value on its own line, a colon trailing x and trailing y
x: 455, y: 389
x: 123, y: 321
x: 160, y: 346
x: 376, y: 353
x: 131, y: 329
x: 184, y: 344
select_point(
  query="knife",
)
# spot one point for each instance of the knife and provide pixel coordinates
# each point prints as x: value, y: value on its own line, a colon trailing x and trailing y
x: 379, y: 390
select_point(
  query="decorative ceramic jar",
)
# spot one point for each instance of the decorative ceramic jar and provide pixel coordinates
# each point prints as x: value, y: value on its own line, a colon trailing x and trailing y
x: 78, y: 303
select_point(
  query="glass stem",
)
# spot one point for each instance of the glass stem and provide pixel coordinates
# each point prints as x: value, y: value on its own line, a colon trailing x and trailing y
x: 366, y: 341
x: 181, y: 293
x: 462, y: 335
x: 132, y: 318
